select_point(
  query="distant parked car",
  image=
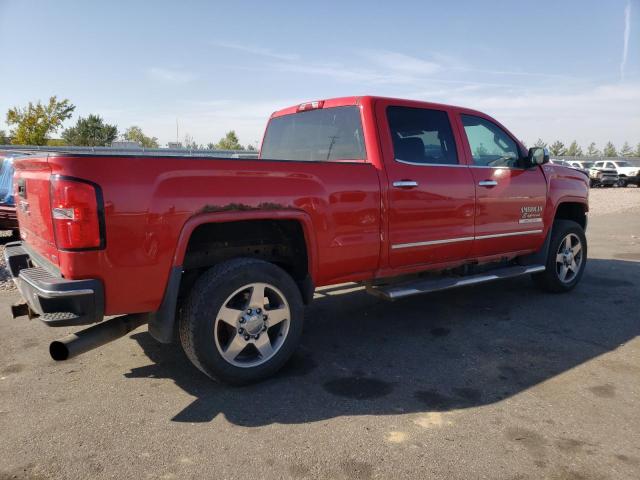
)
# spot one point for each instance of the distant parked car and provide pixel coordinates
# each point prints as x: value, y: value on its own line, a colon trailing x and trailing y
x: 627, y: 173
x: 581, y: 165
x: 8, y: 219
x: 558, y: 161
x: 601, y: 174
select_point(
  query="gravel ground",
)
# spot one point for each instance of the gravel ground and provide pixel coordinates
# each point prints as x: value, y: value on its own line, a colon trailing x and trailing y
x: 602, y: 201
x: 610, y: 200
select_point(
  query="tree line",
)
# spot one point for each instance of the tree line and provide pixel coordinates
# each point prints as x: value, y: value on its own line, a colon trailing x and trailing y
x: 559, y: 149
x: 34, y: 124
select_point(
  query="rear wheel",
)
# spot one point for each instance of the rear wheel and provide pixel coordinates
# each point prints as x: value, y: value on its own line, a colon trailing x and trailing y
x: 622, y: 182
x: 566, y: 258
x: 242, y: 320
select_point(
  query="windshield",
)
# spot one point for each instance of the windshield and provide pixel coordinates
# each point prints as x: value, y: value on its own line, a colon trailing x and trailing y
x: 316, y: 135
x: 6, y: 180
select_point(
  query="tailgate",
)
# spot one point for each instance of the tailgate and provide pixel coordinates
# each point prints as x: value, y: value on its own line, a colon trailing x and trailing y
x: 33, y: 203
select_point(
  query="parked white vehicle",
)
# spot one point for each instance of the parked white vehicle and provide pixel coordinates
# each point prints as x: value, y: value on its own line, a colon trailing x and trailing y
x: 601, y: 174
x: 627, y: 173
x: 581, y: 165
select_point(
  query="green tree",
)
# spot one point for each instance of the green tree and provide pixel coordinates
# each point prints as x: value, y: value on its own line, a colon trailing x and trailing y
x: 90, y: 131
x: 34, y: 123
x: 4, y: 139
x: 574, y: 150
x: 540, y: 143
x: 250, y: 147
x: 626, y: 150
x: 211, y: 146
x: 557, y: 148
x: 610, y: 150
x: 592, y: 150
x: 229, y: 142
x: 135, y: 134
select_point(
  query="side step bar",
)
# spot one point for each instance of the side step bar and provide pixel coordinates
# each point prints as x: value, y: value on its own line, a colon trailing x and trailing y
x: 416, y: 287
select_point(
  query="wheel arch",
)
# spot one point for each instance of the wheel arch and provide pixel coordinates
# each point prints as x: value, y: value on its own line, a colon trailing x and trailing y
x: 572, y: 209
x: 162, y: 322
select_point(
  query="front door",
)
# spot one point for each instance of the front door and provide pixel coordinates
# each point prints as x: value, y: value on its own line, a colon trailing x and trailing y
x: 510, y: 196
x: 431, y: 192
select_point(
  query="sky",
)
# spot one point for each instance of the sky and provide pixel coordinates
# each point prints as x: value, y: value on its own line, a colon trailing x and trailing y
x: 546, y: 69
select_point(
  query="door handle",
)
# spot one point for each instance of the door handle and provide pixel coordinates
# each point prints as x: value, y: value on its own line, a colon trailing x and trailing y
x: 405, y: 184
x: 487, y: 183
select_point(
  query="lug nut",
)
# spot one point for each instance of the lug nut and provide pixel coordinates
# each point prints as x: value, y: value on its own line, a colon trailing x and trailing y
x: 258, y: 310
x: 265, y: 317
x: 242, y: 319
x: 247, y: 337
x: 264, y: 328
x: 241, y: 331
x: 256, y: 336
x: 249, y: 311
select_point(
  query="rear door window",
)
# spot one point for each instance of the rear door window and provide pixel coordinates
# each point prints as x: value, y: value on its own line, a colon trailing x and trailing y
x: 421, y: 136
x: 326, y: 134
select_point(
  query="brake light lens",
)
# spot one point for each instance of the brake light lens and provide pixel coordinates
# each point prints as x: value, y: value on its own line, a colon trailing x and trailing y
x: 310, y: 106
x: 75, y: 208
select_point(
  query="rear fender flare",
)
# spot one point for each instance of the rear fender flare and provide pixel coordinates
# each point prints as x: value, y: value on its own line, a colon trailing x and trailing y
x: 222, y: 217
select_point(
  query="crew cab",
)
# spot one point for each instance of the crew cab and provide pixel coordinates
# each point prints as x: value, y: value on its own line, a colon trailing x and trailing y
x: 627, y: 173
x: 403, y: 197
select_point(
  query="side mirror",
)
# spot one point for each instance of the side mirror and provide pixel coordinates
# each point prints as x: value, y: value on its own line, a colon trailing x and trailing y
x: 538, y: 156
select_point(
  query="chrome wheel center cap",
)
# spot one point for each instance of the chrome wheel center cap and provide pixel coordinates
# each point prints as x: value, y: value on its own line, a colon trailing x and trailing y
x: 254, y: 324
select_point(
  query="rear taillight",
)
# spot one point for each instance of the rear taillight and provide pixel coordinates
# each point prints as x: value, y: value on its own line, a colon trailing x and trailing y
x: 76, y: 208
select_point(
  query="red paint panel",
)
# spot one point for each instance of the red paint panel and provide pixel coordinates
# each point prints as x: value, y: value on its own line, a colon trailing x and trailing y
x: 146, y: 214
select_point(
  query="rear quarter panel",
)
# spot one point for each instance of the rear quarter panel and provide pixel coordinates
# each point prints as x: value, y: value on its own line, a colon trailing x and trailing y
x: 150, y: 200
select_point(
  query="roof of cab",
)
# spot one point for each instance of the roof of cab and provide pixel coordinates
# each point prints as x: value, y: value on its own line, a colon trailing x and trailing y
x: 357, y: 100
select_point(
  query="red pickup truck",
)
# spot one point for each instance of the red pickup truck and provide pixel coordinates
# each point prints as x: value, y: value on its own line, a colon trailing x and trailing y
x: 402, y: 196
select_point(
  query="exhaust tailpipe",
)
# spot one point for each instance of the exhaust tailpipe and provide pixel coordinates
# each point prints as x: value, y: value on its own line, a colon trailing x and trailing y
x: 95, y: 336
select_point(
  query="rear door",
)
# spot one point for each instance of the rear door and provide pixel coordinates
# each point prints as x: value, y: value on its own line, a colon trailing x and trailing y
x: 430, y: 191
x: 510, y: 196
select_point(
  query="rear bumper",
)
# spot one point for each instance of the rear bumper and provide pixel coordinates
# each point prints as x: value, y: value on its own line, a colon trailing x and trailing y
x: 8, y: 218
x: 58, y: 301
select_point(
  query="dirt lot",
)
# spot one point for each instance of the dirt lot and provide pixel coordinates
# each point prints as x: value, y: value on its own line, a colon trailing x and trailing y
x: 498, y: 381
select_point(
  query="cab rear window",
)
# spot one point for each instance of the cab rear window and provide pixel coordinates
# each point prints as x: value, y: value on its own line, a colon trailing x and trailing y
x: 328, y: 134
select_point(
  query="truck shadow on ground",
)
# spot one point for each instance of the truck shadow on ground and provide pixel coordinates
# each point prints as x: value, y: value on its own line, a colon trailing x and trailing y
x: 451, y: 350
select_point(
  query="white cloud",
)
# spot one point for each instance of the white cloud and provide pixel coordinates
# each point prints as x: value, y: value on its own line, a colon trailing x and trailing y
x: 627, y: 30
x: 170, y: 75
x: 259, y: 51
x: 399, y: 62
x: 599, y: 114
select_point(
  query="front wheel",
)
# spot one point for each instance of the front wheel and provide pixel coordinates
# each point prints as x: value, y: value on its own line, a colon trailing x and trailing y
x: 622, y: 183
x: 242, y: 320
x: 566, y: 258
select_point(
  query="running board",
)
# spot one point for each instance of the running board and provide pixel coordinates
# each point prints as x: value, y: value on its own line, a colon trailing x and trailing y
x: 406, y: 289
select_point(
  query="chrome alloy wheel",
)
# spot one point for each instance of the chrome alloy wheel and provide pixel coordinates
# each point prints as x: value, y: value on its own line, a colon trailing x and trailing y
x: 252, y: 325
x: 569, y: 258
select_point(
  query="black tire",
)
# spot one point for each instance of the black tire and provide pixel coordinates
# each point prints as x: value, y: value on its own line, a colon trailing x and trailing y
x: 622, y: 183
x: 592, y: 183
x: 198, y: 315
x: 549, y: 280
